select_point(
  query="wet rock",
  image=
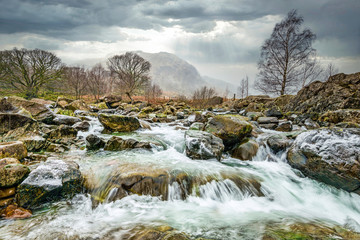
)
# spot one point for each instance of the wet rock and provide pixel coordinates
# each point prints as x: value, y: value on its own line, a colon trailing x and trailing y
x: 66, y: 120
x: 245, y: 151
x: 279, y: 142
x: 62, y: 102
x: 203, y: 145
x: 331, y: 156
x: 7, y: 192
x: 12, y: 172
x: 197, y: 126
x: 311, y: 124
x: 232, y: 129
x: 284, y: 127
x: 180, y: 115
x: 119, y: 123
x: 39, y: 112
x: 15, y: 212
x: 78, y: 105
x: 15, y: 149
x: 253, y: 116
x: 144, y: 124
x: 118, y: 144
x: 267, y: 120
x: 160, y: 233
x: 272, y: 112
x: 6, y: 202
x: 196, y: 117
x: 57, y: 148
x: 63, y: 132
x: 34, y: 143
x: 93, y: 142
x: 82, y: 126
x: 271, y: 126
x: 11, y: 121
x: 50, y: 181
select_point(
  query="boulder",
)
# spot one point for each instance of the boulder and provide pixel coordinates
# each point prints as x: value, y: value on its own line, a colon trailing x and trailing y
x: 284, y: 127
x: 273, y: 112
x: 81, y: 126
x: 331, y: 156
x: 197, y: 126
x: 7, y: 192
x: 62, y: 132
x: 267, y: 120
x: 119, y: 123
x: 62, y: 102
x: 245, y: 151
x: 340, y: 91
x: 66, y: 120
x: 78, y: 105
x: 15, y: 149
x: 279, y: 142
x: 50, y: 181
x: 118, y: 144
x: 15, y: 212
x: 39, y: 112
x: 6, y: 106
x: 203, y: 145
x: 232, y: 129
x: 12, y: 172
x: 11, y: 121
x: 34, y: 142
x: 196, y: 117
x: 341, y: 115
x: 311, y: 124
x: 253, y: 116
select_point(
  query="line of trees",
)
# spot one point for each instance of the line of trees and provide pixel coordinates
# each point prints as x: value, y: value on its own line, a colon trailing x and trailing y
x: 32, y: 71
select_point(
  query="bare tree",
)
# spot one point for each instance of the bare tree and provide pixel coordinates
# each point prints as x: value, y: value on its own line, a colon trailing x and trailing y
x: 29, y: 70
x: 96, y: 81
x: 311, y: 71
x: 131, y: 71
x: 153, y: 91
x: 283, y: 55
x: 243, y: 89
x: 330, y: 71
x: 204, y: 93
x: 76, y: 80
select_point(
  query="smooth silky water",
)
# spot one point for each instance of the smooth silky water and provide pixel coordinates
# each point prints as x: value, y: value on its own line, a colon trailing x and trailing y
x: 220, y: 210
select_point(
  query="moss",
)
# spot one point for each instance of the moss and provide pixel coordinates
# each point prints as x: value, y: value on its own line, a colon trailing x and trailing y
x: 66, y: 112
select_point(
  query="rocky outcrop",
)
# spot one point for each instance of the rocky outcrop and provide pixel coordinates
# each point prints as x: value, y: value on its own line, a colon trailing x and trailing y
x: 15, y: 149
x: 203, y: 145
x: 118, y: 144
x: 12, y: 172
x: 340, y: 91
x: 11, y: 121
x: 232, y: 129
x: 38, y: 111
x: 78, y: 105
x: 50, y: 181
x: 119, y: 123
x: 341, y: 115
x: 331, y: 156
x: 66, y: 120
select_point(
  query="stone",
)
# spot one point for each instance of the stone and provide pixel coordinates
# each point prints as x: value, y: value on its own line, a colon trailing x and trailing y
x: 63, y: 132
x: 278, y: 142
x: 196, y: 117
x: 6, y: 202
x: 118, y: 144
x: 180, y: 115
x: 197, y: 126
x: 94, y: 142
x: 232, y: 129
x: 266, y: 120
x: 15, y: 212
x: 271, y: 126
x: 78, y: 105
x: 50, y: 181
x: 284, y: 127
x: 34, y: 142
x: 144, y: 124
x: 203, y: 145
x: 11, y: 121
x: 14, y: 149
x: 112, y: 101
x: 331, y: 156
x: 272, y: 112
x: 341, y: 115
x: 5, y: 106
x: 253, y: 116
x: 245, y: 151
x: 66, y: 120
x: 62, y: 102
x: 12, y: 173
x: 340, y: 91
x: 119, y: 123
x: 7, y: 192
x: 81, y: 126
x: 39, y: 112
x: 311, y: 124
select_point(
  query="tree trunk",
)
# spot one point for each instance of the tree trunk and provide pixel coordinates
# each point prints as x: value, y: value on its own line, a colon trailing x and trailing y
x: 132, y: 100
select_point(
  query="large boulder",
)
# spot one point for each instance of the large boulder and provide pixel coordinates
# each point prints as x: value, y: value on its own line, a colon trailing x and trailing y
x: 203, y: 145
x: 62, y: 102
x: 63, y: 132
x: 340, y: 91
x: 119, y: 123
x: 78, y: 105
x: 246, y: 150
x: 94, y: 142
x: 34, y: 142
x: 331, y: 156
x: 112, y: 101
x: 118, y: 144
x: 51, y: 180
x: 12, y: 172
x: 39, y: 112
x: 11, y: 121
x: 232, y: 129
x: 66, y: 120
x: 14, y: 149
x: 5, y: 106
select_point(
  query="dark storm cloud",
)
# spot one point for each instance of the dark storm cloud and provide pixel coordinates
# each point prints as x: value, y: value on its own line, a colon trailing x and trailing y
x: 333, y: 21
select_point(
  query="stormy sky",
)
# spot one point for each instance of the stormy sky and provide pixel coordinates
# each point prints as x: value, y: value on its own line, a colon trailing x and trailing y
x: 222, y: 38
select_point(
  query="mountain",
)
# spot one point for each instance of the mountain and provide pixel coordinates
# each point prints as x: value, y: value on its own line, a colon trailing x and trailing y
x: 220, y: 85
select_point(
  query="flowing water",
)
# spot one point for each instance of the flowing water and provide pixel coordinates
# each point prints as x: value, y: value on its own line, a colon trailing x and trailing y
x: 218, y: 210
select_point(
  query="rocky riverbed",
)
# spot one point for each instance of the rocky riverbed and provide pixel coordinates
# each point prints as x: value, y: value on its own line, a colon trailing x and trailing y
x: 244, y: 169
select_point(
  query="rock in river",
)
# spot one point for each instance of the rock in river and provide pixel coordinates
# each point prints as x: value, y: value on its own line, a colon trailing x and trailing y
x: 203, y: 145
x: 12, y: 172
x: 119, y: 123
x: 331, y: 156
x: 50, y: 181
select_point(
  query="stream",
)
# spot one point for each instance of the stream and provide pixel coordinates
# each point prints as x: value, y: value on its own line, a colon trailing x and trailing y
x: 219, y: 209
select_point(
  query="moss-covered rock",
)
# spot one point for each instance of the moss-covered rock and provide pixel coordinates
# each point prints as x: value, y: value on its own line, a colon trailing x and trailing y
x: 12, y: 172
x: 246, y: 150
x: 119, y: 123
x: 232, y: 129
x: 78, y: 105
x: 11, y: 121
x: 118, y: 144
x: 15, y: 149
